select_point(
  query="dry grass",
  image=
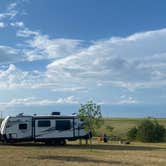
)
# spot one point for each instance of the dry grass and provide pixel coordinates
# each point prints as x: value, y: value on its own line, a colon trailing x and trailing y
x: 122, y: 125
x: 137, y: 154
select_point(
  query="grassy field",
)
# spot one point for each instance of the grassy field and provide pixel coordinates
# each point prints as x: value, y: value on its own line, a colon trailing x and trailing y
x: 136, y: 154
x: 122, y: 125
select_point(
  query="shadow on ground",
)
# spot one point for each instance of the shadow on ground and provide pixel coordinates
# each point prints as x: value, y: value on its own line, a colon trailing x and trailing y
x: 74, y: 159
x: 94, y: 147
x: 116, y: 147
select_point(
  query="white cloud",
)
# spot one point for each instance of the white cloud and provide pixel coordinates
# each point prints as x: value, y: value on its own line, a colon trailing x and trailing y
x: 27, y: 33
x: 67, y: 100
x: 10, y: 12
x: 33, y: 101
x: 137, y: 61
x: 13, y: 78
x: 9, y: 55
x: 122, y: 100
x: 42, y: 47
x: 70, y: 89
x: 2, y: 24
x: 12, y: 6
x: 133, y: 62
x: 126, y: 100
x: 17, y: 24
x: 9, y: 15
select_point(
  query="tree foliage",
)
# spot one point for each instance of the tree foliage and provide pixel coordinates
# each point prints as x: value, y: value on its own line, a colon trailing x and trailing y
x: 132, y: 134
x: 147, y: 131
x: 90, y: 113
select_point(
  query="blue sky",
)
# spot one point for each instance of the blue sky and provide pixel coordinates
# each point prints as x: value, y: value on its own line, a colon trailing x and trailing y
x: 56, y: 54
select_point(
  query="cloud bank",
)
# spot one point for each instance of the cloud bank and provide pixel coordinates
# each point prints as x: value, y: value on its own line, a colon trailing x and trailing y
x: 130, y: 63
x: 133, y: 62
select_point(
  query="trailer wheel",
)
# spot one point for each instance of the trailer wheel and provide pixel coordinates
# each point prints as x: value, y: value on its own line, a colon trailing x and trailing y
x: 8, y: 142
x: 56, y: 142
x: 62, y: 142
x: 47, y: 142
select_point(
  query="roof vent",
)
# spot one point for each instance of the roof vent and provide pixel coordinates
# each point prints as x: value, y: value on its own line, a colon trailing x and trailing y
x: 20, y: 114
x: 55, y: 113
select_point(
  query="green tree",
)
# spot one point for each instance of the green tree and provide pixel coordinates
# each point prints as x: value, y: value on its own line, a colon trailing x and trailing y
x: 132, y: 133
x: 150, y: 131
x: 146, y: 131
x: 90, y: 113
x: 159, y: 132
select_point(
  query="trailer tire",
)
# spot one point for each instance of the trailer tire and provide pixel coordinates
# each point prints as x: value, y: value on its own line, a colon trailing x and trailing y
x: 56, y: 142
x: 62, y: 142
x: 51, y: 142
x: 47, y: 142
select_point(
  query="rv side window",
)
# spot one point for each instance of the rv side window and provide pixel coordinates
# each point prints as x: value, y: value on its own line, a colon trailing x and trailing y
x: 63, y: 125
x: 44, y: 123
x: 23, y: 126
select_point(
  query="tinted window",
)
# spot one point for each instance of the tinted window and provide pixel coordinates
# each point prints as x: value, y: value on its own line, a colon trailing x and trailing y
x: 63, y: 125
x: 23, y: 126
x: 44, y: 123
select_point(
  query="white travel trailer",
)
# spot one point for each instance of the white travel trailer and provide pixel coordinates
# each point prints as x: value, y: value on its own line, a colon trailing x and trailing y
x: 51, y: 129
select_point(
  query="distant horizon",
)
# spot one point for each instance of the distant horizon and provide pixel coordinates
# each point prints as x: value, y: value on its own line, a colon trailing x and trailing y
x: 107, y: 111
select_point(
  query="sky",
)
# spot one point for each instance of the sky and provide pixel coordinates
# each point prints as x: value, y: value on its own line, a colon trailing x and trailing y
x: 58, y: 54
